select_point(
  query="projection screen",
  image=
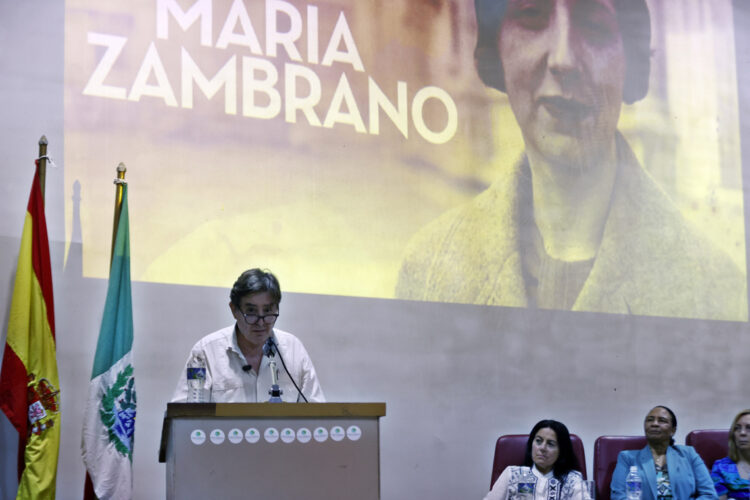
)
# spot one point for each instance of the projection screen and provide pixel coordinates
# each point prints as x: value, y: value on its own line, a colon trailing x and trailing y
x: 355, y: 149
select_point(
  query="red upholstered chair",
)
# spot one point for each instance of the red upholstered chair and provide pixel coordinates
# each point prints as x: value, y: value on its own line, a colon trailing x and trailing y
x: 711, y: 444
x: 510, y: 449
x: 606, y: 449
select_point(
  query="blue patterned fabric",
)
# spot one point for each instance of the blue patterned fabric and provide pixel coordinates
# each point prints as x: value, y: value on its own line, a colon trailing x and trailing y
x: 663, y: 489
x: 727, y: 480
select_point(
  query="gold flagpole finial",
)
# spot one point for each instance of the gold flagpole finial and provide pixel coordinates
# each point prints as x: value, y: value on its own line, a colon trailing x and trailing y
x: 119, y: 182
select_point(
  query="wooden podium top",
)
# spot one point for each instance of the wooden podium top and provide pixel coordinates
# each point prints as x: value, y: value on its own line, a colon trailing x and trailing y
x: 178, y: 410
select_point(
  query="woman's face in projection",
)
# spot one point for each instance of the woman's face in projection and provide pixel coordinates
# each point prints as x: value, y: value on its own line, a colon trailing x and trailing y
x: 564, y: 67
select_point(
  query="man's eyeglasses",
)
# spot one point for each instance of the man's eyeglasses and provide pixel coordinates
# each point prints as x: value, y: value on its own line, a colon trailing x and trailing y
x: 267, y: 319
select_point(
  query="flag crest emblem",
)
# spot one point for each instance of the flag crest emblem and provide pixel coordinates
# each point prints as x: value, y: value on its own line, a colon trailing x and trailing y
x: 43, y: 403
x: 117, y: 411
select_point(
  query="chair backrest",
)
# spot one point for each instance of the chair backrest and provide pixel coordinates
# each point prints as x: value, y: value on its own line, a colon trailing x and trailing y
x: 510, y: 449
x: 606, y: 449
x: 711, y: 444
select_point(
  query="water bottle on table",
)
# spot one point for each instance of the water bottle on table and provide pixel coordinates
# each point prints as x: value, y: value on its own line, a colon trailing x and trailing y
x: 526, y: 484
x: 589, y: 490
x: 196, y: 379
x: 633, y: 484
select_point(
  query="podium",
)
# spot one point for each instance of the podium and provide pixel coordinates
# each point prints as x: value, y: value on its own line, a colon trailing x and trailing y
x: 278, y: 451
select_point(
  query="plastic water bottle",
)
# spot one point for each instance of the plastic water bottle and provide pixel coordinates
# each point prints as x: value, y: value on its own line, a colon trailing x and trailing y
x: 633, y: 484
x: 196, y: 379
x: 526, y: 484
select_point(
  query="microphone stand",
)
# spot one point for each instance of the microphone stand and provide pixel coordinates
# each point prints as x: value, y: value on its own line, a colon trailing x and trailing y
x: 275, y: 391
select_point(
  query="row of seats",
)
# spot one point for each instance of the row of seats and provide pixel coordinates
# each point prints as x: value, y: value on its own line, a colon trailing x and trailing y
x: 711, y: 445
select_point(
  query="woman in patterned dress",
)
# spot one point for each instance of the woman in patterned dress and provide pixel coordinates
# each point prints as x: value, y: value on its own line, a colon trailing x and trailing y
x: 552, y: 464
x: 731, y: 474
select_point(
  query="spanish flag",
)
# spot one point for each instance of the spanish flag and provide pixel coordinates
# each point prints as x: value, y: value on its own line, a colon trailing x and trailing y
x: 29, y: 387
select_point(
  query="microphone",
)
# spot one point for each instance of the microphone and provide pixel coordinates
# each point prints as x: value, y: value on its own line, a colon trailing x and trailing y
x: 275, y: 391
x: 247, y: 368
x: 269, y: 348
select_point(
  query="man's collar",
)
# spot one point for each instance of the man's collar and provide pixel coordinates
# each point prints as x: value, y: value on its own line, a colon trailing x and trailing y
x: 234, y: 342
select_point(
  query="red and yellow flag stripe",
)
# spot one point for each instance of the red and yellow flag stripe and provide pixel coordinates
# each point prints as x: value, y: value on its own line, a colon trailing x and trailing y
x: 29, y: 384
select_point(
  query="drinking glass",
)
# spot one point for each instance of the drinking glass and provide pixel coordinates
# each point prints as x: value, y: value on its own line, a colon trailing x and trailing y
x: 589, y: 490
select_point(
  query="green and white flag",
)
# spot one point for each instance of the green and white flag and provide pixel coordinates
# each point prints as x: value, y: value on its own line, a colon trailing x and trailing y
x: 109, y: 420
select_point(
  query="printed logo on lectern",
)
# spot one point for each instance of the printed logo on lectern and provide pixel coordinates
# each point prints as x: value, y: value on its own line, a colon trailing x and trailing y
x: 198, y: 437
x: 337, y: 433
x: 252, y: 435
x: 288, y: 435
x: 271, y: 435
x: 353, y: 432
x: 304, y: 435
x: 321, y: 434
x: 217, y: 436
x: 234, y: 436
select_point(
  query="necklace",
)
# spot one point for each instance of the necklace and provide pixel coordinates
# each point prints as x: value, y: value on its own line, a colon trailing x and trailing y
x: 659, y: 460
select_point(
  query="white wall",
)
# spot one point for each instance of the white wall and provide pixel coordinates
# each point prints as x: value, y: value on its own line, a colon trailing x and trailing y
x: 453, y: 377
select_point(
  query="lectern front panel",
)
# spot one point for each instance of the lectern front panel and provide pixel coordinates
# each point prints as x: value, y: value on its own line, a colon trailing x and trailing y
x: 274, y: 458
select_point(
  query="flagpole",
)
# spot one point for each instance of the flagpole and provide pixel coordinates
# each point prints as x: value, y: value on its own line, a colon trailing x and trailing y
x: 109, y: 421
x: 88, y: 485
x: 119, y: 182
x: 29, y: 382
x: 42, y: 163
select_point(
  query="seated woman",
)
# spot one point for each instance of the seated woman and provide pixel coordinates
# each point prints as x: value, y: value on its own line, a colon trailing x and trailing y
x: 549, y: 454
x: 668, y: 471
x: 731, y: 474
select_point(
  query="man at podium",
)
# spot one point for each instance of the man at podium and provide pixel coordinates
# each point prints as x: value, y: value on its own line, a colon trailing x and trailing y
x: 240, y: 358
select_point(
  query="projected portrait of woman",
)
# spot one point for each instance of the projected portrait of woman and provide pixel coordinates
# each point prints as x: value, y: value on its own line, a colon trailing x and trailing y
x: 577, y: 222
